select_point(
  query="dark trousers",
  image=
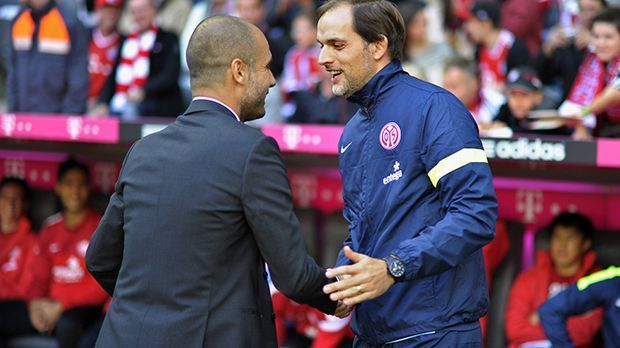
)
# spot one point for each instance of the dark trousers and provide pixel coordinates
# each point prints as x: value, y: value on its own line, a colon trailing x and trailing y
x: 74, y: 324
x: 452, y: 337
x: 14, y: 321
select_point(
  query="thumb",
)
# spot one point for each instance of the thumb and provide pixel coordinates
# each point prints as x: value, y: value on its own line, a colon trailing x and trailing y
x: 352, y: 255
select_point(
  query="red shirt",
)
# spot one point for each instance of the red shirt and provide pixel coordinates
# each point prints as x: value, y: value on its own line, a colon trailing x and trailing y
x: 531, y: 289
x: 14, y: 247
x: 102, y: 55
x: 58, y: 267
x: 493, y: 60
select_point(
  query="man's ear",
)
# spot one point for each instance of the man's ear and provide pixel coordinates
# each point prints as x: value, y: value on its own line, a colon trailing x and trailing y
x: 379, y: 48
x: 239, y: 70
x: 587, y: 244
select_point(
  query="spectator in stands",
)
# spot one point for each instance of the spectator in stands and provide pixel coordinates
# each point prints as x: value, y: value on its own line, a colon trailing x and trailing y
x: 498, y: 50
x: 598, y: 69
x: 104, y: 47
x: 65, y: 299
x: 428, y: 58
x: 145, y: 81
x: 598, y: 289
x: 568, y: 259
x: 48, y: 60
x: 565, y: 47
x: 254, y: 12
x: 301, y: 67
x: 524, y: 94
x: 524, y: 19
x: 282, y: 13
x: 16, y: 239
x: 461, y: 78
x: 320, y: 105
x: 609, y: 97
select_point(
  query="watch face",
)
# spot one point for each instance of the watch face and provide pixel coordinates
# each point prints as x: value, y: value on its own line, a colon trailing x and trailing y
x: 397, y: 269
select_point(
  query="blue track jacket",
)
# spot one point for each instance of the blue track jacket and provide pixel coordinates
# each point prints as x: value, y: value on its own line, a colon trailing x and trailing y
x: 598, y: 289
x: 416, y: 184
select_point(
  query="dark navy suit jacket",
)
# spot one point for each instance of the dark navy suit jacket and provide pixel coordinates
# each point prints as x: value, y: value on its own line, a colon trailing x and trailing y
x: 198, y: 209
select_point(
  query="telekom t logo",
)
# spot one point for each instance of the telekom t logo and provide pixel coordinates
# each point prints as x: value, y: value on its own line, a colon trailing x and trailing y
x: 530, y: 204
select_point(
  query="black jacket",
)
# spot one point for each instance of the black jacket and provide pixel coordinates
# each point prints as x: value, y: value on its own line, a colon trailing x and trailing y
x: 162, y: 93
x: 198, y: 209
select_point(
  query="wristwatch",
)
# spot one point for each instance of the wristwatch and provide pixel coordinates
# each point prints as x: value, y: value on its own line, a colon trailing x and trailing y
x: 395, y: 267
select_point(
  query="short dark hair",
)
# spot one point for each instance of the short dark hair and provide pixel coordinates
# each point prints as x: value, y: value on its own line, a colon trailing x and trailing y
x: 467, y: 65
x: 72, y: 164
x: 13, y: 180
x: 373, y: 19
x: 575, y: 220
x: 214, y: 44
x: 410, y: 9
x: 609, y: 15
x: 486, y: 10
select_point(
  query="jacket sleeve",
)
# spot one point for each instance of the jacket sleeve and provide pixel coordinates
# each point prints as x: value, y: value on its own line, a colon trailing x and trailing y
x: 268, y: 207
x: 74, y: 101
x: 521, y: 305
x: 575, y: 300
x: 167, y: 77
x: 105, y: 251
x: 457, y: 167
x: 343, y: 260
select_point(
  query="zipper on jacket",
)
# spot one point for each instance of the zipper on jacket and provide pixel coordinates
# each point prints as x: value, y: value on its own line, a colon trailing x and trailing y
x: 365, y: 109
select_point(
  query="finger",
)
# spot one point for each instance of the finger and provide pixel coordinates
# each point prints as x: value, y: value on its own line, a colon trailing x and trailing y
x: 365, y: 296
x: 350, y: 292
x: 342, y: 285
x: 352, y: 255
x: 342, y: 271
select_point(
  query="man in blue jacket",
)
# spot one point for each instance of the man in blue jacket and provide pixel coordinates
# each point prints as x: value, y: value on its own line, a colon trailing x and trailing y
x: 598, y: 289
x: 417, y: 188
x: 47, y: 60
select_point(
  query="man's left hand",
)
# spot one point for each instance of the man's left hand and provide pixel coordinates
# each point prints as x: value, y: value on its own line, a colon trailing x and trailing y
x: 368, y: 279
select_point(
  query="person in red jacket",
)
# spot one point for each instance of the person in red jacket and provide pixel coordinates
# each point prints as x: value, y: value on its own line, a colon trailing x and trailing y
x: 569, y: 258
x: 65, y: 299
x: 16, y: 239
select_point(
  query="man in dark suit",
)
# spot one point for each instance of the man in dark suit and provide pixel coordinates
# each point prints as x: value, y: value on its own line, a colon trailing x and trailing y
x: 198, y: 209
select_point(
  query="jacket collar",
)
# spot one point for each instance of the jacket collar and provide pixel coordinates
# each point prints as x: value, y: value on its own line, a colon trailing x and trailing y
x: 384, y: 79
x: 203, y: 105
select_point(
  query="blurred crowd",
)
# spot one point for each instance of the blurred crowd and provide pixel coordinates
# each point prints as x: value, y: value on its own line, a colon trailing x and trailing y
x: 520, y: 66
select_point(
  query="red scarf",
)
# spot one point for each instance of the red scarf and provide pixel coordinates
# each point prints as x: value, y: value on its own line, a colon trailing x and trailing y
x: 493, y: 60
x: 593, y: 76
x: 133, y: 69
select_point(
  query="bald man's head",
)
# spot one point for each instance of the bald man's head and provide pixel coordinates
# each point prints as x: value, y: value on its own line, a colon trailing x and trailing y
x: 215, y: 43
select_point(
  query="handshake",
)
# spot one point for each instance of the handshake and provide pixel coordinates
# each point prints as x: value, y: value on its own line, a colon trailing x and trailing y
x: 366, y: 278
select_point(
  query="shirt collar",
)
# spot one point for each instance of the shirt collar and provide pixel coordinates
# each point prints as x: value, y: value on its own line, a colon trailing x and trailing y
x: 219, y: 102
